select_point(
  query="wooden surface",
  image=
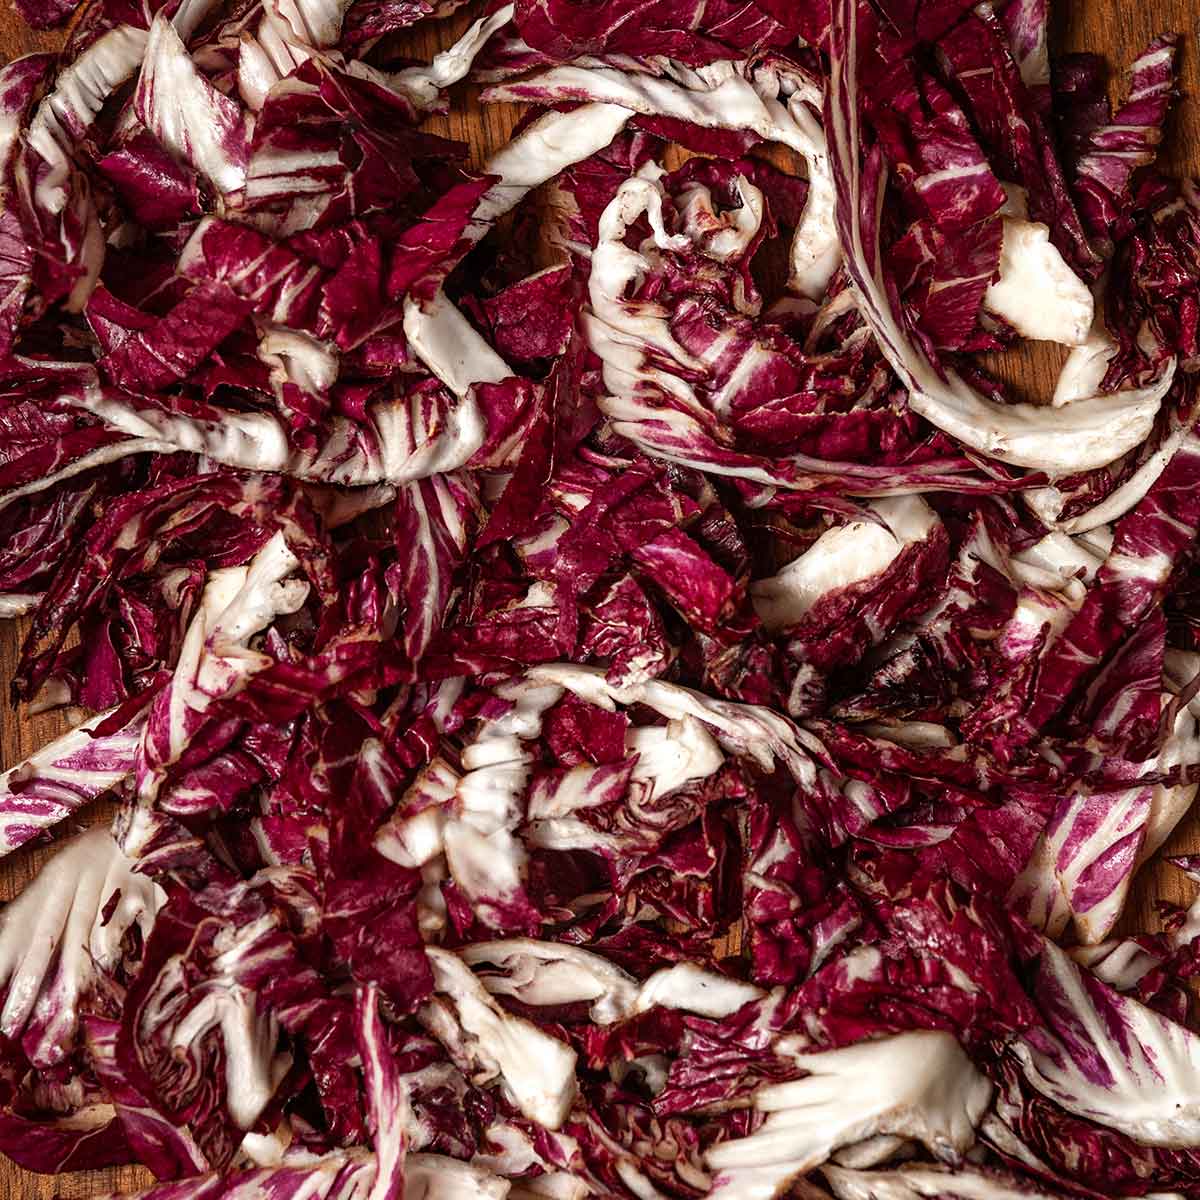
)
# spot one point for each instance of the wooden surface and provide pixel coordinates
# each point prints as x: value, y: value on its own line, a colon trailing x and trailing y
x: 1118, y: 29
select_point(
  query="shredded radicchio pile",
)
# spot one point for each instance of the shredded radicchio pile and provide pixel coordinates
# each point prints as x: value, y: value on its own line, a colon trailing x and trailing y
x: 605, y: 694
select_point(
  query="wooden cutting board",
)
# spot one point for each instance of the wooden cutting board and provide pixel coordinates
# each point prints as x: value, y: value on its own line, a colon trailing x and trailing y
x: 1116, y: 28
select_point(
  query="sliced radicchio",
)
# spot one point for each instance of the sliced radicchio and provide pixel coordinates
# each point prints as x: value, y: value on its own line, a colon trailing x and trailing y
x: 603, y: 692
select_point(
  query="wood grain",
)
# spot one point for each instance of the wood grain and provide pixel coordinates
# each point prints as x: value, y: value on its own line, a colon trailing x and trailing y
x: 1115, y: 28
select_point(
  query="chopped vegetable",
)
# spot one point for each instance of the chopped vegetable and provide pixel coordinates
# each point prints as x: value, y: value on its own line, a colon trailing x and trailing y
x: 598, y: 689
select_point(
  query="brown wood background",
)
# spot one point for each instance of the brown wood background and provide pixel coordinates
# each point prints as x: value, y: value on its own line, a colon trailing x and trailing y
x: 1117, y: 28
